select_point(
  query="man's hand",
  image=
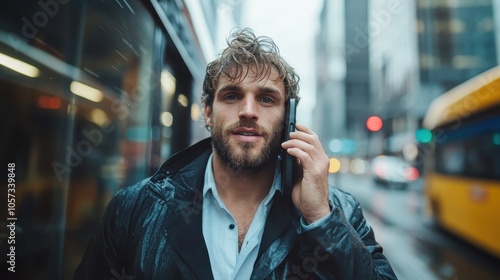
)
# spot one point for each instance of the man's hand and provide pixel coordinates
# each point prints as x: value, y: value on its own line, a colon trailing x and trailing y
x: 310, y: 192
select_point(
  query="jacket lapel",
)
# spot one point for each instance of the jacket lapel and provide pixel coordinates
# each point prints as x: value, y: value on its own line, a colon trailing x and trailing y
x: 184, y: 225
x: 186, y: 237
x: 278, y: 239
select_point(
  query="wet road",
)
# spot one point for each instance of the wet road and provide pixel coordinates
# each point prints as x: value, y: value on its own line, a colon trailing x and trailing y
x: 416, y: 249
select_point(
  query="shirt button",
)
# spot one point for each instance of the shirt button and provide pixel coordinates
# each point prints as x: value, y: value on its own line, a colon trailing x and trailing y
x: 231, y: 226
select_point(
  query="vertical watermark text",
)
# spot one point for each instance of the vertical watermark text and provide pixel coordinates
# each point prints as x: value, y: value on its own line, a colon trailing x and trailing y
x: 11, y: 218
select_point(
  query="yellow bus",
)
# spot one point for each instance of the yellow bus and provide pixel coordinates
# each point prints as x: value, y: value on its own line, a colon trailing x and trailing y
x: 462, y: 167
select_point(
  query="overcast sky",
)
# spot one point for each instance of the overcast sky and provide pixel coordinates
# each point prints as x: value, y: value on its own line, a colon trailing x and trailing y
x: 293, y: 25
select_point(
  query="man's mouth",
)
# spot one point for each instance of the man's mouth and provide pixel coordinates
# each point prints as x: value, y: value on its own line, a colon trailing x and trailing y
x: 247, y: 135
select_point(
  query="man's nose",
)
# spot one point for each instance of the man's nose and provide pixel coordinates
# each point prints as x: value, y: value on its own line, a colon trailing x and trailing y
x: 249, y: 109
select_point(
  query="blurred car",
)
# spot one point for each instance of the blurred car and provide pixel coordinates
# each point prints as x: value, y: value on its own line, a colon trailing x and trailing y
x: 392, y: 171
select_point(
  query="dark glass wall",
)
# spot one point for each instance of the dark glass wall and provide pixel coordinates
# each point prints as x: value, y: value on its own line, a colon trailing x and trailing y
x: 95, y: 96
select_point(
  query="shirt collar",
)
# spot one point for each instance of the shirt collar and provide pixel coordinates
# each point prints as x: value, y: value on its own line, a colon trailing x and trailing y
x: 210, y: 182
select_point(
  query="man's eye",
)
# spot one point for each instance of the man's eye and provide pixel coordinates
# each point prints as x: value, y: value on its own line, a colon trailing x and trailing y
x: 230, y: 97
x: 267, y: 100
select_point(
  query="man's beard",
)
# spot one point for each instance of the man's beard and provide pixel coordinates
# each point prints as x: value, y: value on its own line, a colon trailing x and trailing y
x: 242, y: 158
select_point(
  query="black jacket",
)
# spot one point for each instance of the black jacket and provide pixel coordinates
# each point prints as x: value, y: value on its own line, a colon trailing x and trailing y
x: 152, y: 230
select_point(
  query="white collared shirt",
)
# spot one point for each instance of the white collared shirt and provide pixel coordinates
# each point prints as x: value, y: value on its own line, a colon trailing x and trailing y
x: 220, y: 231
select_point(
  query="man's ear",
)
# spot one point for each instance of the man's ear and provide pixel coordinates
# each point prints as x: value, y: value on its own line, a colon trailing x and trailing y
x: 208, y: 115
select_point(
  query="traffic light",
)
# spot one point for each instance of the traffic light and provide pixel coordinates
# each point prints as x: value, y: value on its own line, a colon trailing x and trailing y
x: 374, y: 123
x: 423, y: 136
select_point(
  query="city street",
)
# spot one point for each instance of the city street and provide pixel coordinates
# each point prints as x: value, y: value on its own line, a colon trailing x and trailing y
x: 416, y: 249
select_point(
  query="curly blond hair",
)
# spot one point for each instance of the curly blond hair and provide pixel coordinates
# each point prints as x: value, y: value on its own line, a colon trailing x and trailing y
x: 246, y: 49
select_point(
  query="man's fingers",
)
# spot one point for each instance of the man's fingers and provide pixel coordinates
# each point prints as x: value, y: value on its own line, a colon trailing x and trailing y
x: 302, y: 136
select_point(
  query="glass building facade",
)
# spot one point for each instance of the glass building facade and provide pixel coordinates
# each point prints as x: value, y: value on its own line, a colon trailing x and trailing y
x: 95, y: 96
x: 456, y: 41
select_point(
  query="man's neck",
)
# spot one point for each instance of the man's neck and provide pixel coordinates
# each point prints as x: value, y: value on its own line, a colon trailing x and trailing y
x: 242, y: 186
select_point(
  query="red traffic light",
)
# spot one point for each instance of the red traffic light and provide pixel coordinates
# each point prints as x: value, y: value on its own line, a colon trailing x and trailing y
x: 374, y: 123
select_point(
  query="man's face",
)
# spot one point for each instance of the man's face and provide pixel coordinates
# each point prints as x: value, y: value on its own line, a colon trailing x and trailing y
x: 246, y: 120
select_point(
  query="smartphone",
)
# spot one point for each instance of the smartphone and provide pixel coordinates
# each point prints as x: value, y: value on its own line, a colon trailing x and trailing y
x: 287, y: 161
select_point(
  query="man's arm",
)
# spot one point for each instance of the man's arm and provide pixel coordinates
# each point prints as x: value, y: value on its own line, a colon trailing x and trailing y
x: 343, y: 245
x: 339, y: 241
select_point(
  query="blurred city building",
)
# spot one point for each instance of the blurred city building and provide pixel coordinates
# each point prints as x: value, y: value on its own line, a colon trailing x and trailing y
x: 330, y: 113
x: 357, y: 78
x: 457, y: 41
x: 394, y: 75
x: 390, y: 59
x: 367, y: 65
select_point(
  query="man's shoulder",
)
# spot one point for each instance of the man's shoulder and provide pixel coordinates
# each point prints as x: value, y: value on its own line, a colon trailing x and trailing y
x: 132, y: 190
x: 181, y: 164
x: 129, y: 195
x: 342, y: 196
x: 344, y: 200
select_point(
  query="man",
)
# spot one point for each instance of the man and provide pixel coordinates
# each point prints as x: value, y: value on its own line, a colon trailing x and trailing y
x: 217, y: 211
